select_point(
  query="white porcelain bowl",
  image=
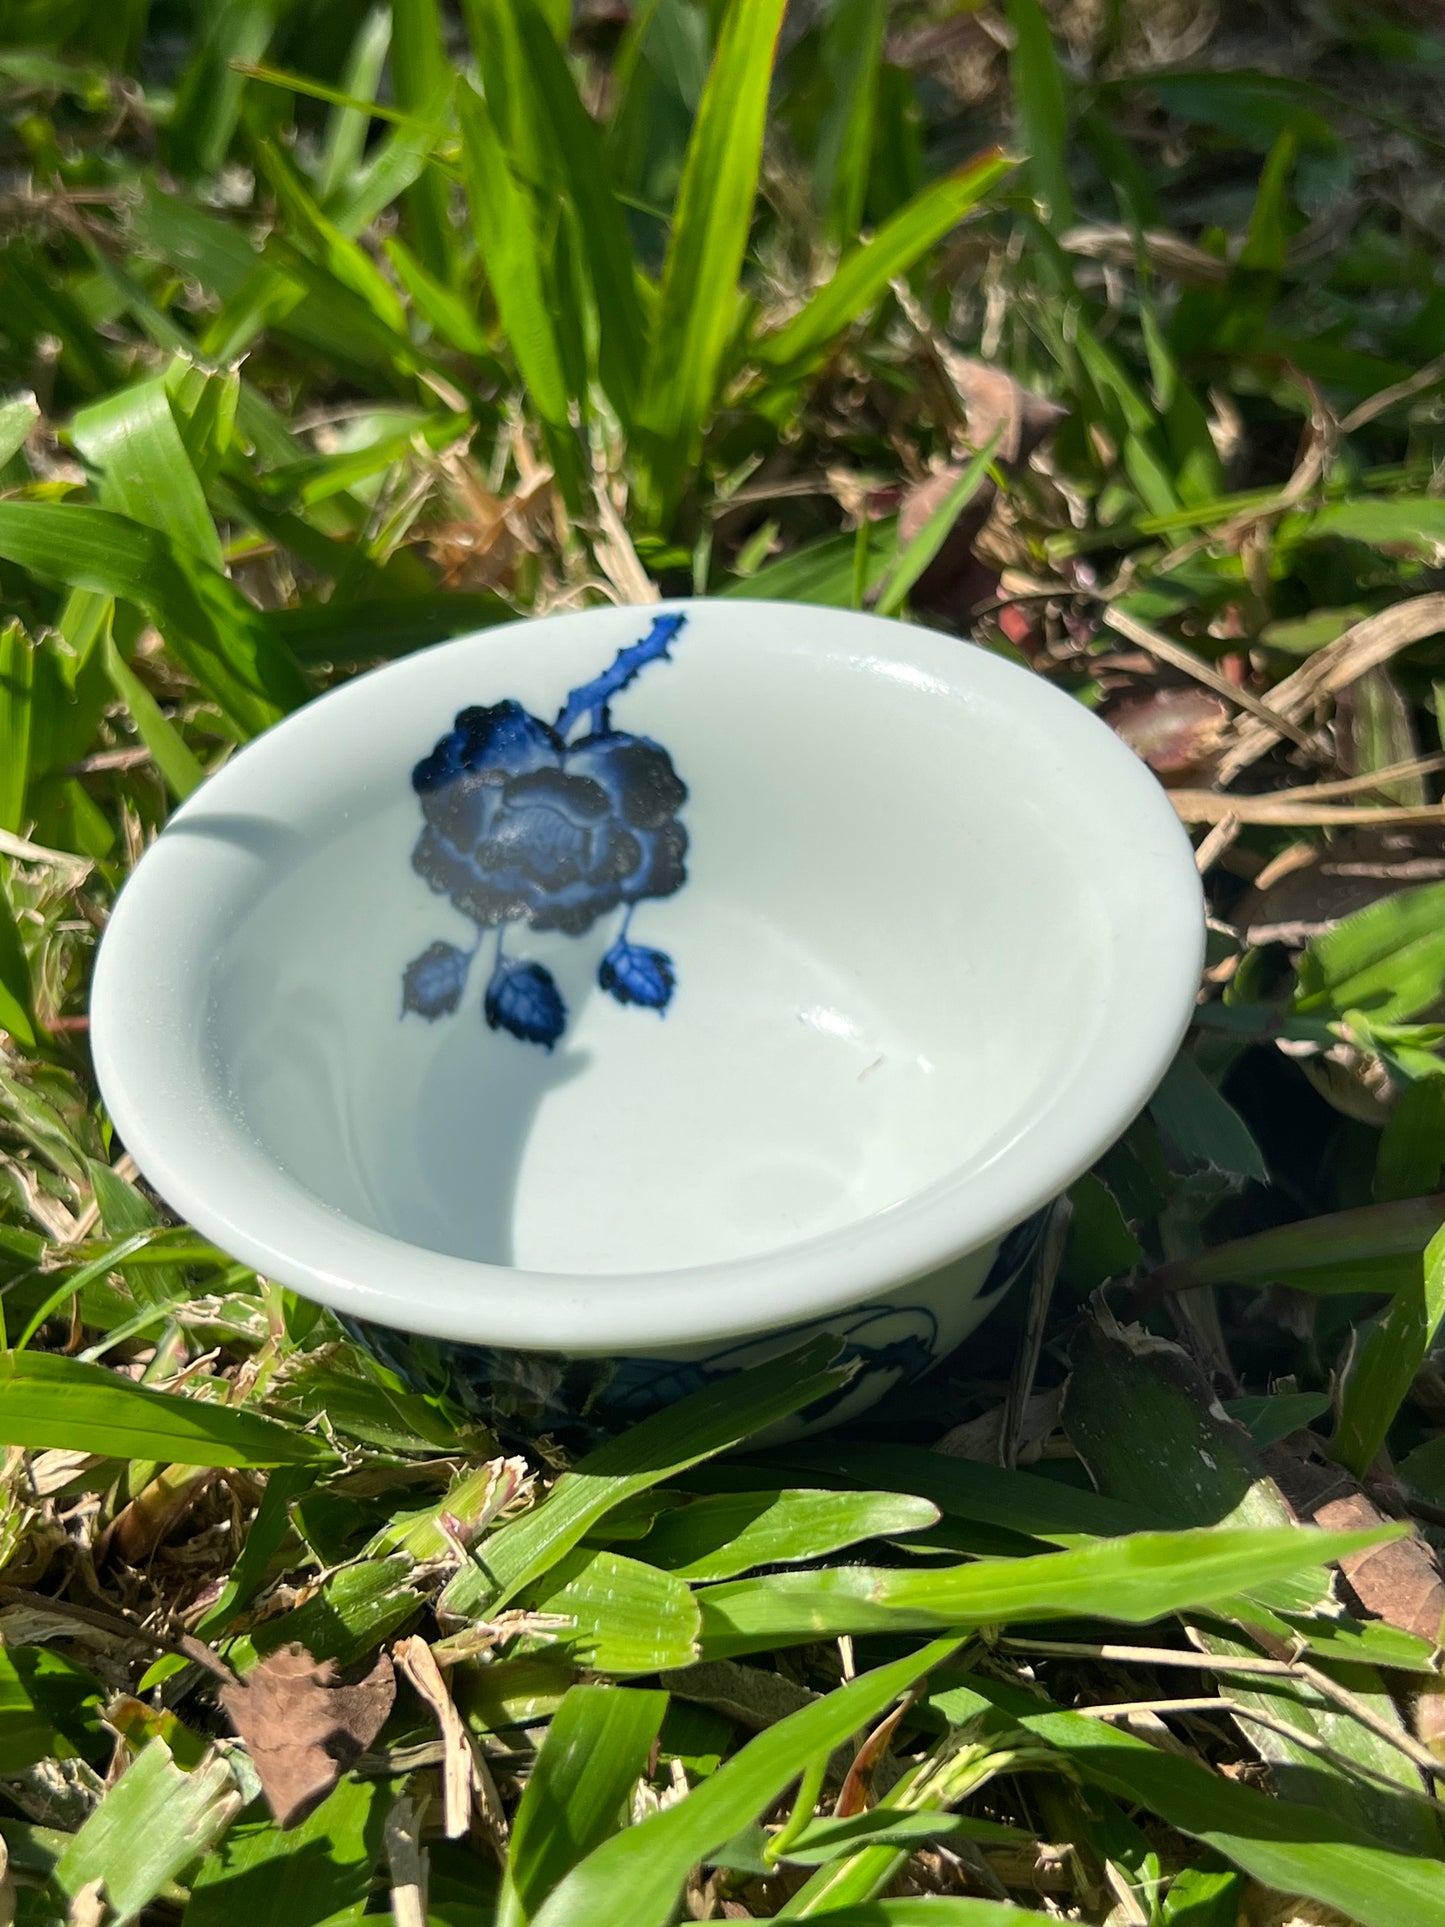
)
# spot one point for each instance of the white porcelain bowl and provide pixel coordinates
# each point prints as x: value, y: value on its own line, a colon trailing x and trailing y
x: 636, y: 982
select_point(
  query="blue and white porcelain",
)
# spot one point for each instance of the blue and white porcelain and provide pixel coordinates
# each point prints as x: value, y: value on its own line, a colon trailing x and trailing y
x: 596, y: 1003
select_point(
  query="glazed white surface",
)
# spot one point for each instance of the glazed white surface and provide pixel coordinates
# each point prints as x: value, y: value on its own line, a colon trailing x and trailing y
x: 941, y: 934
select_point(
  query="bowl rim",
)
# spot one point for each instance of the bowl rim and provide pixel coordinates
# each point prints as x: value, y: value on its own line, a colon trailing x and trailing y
x: 163, y: 1106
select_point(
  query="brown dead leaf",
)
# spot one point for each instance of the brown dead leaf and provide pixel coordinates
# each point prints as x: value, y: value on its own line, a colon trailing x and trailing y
x: 1365, y: 644
x: 1177, y: 732
x: 406, y: 1860
x: 857, y: 1789
x: 479, y: 548
x: 465, y: 1773
x: 995, y: 404
x: 955, y: 580
x: 981, y: 1438
x: 1168, y: 254
x: 1286, y: 809
x: 301, y: 1729
x: 87, y: 1906
x: 1400, y: 1582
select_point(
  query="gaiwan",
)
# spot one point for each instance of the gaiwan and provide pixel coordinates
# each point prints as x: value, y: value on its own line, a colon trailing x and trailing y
x: 590, y: 1006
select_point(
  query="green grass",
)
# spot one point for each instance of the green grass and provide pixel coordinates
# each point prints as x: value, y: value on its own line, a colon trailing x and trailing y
x: 331, y: 330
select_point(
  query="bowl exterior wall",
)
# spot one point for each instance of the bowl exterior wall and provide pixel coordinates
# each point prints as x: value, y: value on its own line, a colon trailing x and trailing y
x: 893, y: 1339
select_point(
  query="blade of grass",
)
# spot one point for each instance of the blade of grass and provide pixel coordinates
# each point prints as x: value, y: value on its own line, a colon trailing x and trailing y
x: 208, y: 100
x: 1137, y: 1410
x: 420, y: 73
x: 1376, y: 1248
x: 1385, y: 1366
x: 1387, y: 960
x: 40, y: 1694
x: 155, y: 1820
x: 1021, y: 1502
x: 394, y: 164
x: 168, y: 749
x: 444, y: 312
x: 264, y: 1539
x: 1255, y: 280
x: 863, y: 277
x: 626, y: 1617
x: 719, y: 1537
x: 836, y: 572
x: 17, y: 702
x: 18, y: 416
x: 595, y: 1750
x: 960, y: 1767
x: 74, y: 1283
x: 132, y: 439
x: 357, y: 632
x: 338, y: 97
x: 37, y: 305
x: 1041, y: 102
x: 1201, y: 1128
x: 822, y: 1842
x: 698, y: 300
x: 204, y: 405
x: 1200, y: 1898
x: 851, y: 52
x: 1133, y: 1580
x: 344, y: 142
x: 331, y: 250
x: 213, y: 631
x: 635, y: 1878
x: 708, y: 1422
x: 51, y: 1402
x: 1293, y: 1848
x: 585, y: 175
x: 302, y: 1877
x: 1411, y: 1156
x: 511, y: 250
x: 17, y: 996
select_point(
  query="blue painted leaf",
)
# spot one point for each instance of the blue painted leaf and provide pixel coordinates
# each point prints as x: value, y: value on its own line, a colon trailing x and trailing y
x: 633, y: 974
x: 433, y: 983
x: 524, y: 999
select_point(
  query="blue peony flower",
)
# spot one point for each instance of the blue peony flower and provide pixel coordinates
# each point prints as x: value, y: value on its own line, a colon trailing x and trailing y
x: 524, y: 825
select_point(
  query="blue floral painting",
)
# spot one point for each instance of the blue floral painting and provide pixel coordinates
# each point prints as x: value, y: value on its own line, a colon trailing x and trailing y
x: 552, y: 825
x: 526, y: 1393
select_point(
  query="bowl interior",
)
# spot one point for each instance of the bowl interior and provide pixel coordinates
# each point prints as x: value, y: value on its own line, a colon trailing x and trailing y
x: 916, y: 888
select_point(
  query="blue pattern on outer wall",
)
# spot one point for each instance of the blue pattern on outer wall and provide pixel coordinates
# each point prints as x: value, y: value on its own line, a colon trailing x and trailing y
x: 528, y: 822
x: 537, y: 1390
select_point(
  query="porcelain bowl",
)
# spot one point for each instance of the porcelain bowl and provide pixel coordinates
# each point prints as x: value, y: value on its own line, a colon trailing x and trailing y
x: 647, y: 987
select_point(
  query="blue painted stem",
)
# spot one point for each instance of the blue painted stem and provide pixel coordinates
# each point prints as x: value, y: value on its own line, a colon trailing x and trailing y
x: 593, y: 697
x: 497, y: 957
